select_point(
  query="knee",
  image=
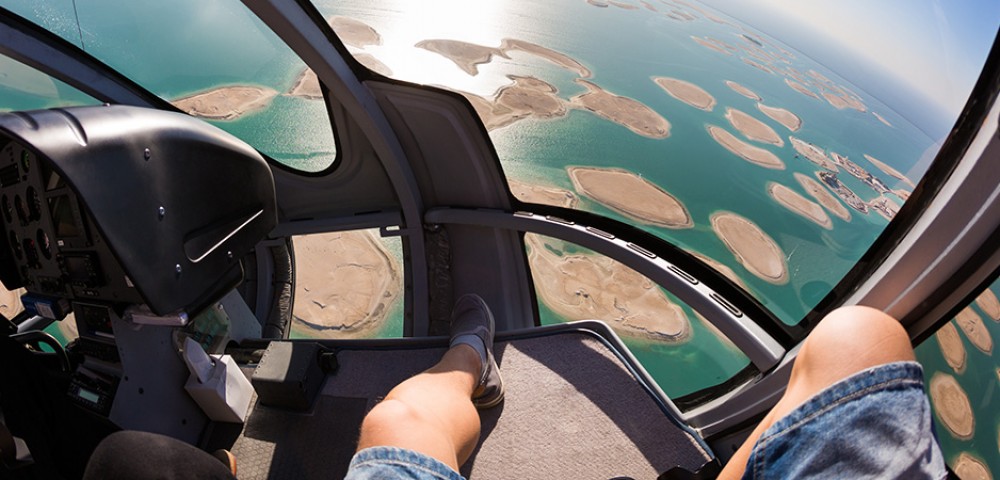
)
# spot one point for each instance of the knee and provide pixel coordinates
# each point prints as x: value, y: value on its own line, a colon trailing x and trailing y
x: 851, y: 339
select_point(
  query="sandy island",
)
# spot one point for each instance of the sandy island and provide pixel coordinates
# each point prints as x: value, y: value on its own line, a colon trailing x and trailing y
x: 837, y: 101
x: 968, y: 467
x: 581, y: 286
x: 711, y: 44
x: 750, y: 153
x: 687, y: 92
x: 952, y: 347
x: 813, y: 154
x: 226, y: 103
x: 526, y: 97
x: 889, y: 170
x: 951, y: 404
x: 467, y: 56
x: 798, y: 87
x: 753, y: 248
x: 823, y: 196
x: 354, y: 32
x: 560, y: 59
x: 884, y: 206
x: 373, y: 64
x: 881, y: 119
x: 791, y: 200
x: 846, y: 194
x: 346, y: 283
x: 622, y: 110
x: 307, y: 85
x: 757, y: 65
x: 545, y: 195
x: 989, y: 303
x: 740, y: 89
x: 630, y: 195
x: 790, y: 120
x: 752, y: 128
x: 975, y: 330
x: 721, y: 268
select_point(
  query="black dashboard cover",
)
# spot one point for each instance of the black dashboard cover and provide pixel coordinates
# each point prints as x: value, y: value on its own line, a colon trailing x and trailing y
x: 171, y: 195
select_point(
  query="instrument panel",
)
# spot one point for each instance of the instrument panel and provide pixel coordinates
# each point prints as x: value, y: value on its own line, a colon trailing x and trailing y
x: 58, y: 250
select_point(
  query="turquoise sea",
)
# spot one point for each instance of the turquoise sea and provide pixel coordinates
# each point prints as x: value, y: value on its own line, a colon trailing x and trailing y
x: 624, y: 47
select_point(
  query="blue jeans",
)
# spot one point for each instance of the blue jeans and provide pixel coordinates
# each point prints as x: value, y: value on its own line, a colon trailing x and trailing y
x: 875, y: 424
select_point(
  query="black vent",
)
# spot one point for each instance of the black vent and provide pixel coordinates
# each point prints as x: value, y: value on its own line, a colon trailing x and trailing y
x: 9, y: 175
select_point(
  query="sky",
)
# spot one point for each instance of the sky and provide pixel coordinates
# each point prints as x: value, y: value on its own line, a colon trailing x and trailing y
x: 938, y: 47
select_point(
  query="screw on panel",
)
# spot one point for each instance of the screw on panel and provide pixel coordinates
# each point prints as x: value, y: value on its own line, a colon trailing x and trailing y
x: 161, y: 212
x: 178, y: 269
x: 146, y: 154
x: 229, y: 254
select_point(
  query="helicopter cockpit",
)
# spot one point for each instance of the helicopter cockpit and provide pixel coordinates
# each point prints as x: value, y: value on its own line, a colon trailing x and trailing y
x: 241, y: 224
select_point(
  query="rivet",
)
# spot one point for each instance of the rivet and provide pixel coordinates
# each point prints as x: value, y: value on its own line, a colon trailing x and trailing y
x: 162, y: 212
x: 146, y: 154
x: 177, y: 268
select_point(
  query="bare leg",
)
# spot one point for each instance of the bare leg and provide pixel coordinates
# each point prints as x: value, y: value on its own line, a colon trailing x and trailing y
x: 847, y: 341
x: 431, y: 413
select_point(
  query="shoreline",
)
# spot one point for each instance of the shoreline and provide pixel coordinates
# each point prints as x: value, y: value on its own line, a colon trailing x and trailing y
x: 543, y: 194
x: 989, y: 304
x: 952, y: 348
x: 753, y: 248
x: 346, y: 284
x: 975, y: 330
x: 822, y: 195
x: 740, y: 89
x: 625, y: 111
x: 630, y: 195
x: 786, y: 118
x: 354, y: 32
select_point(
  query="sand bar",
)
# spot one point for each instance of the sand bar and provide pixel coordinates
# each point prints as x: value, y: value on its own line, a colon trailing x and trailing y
x: 752, y: 128
x: 968, y: 467
x: 798, y: 87
x: 791, y: 200
x: 622, y: 110
x: 649, y: 6
x: 974, y: 329
x: 307, y: 85
x: 846, y: 194
x: 755, y: 64
x: 988, y: 302
x: 558, y: 58
x: 814, y: 154
x: 753, y: 248
x: 952, y: 347
x: 598, y: 3
x: 710, y: 44
x: 889, y: 170
x: 525, y: 97
x: 790, y: 120
x: 750, y: 153
x: 951, y: 404
x: 373, y: 64
x: 837, y: 101
x: 346, y: 283
x: 354, y: 32
x: 226, y: 103
x: 687, y: 92
x: 630, y: 195
x: 823, y: 196
x: 468, y: 56
x: 623, y: 5
x: 881, y: 119
x: 581, y: 286
x: 10, y: 301
x: 740, y: 89
x: 545, y: 195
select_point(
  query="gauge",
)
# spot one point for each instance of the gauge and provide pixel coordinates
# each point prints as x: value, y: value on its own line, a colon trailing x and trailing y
x: 8, y: 211
x: 25, y: 161
x: 34, y: 205
x: 22, y: 212
x: 43, y: 243
x: 16, y: 243
x: 31, y: 253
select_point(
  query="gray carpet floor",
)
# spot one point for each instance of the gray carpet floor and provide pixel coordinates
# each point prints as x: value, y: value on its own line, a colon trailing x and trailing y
x: 572, y: 410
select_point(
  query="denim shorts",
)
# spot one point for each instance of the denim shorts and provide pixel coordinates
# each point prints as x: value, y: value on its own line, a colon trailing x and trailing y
x: 392, y: 463
x: 875, y: 424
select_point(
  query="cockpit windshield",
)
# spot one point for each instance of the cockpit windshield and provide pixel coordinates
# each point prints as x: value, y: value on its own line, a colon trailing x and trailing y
x: 775, y: 142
